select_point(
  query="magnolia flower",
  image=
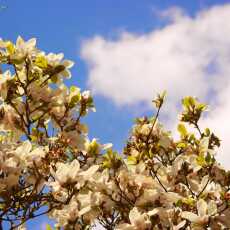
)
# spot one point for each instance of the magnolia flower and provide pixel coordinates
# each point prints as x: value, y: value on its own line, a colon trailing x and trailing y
x: 159, y: 183
x: 18, y: 52
x: 67, y: 64
x: 67, y: 213
x: 138, y: 221
x: 56, y: 59
x: 7, y: 123
x: 169, y: 198
x: 198, y: 186
x: 89, y: 203
x: 75, y: 139
x: 214, y: 190
x: 145, y: 129
x: 94, y: 148
x: 89, y: 173
x: 203, y: 145
x: 204, y: 211
x: 166, y: 215
x: 149, y: 196
x: 87, y: 97
x: 67, y: 172
x: 22, y: 227
x: 70, y: 172
x: 28, y: 156
x: 101, y: 181
x: 86, y: 94
x: 10, y: 180
x: 40, y: 93
x: 23, y: 48
x: 4, y: 78
x: 22, y: 151
x: 165, y: 141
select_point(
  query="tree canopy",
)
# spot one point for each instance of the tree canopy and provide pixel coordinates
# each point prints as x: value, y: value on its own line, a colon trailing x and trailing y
x: 48, y: 165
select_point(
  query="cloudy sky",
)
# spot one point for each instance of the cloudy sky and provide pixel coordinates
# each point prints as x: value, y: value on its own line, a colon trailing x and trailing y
x: 128, y: 50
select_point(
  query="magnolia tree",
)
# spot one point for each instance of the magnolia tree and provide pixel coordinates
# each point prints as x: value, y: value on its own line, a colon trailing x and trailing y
x: 48, y: 165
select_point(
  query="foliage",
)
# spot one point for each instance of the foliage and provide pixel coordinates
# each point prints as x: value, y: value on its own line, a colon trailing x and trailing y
x: 49, y: 165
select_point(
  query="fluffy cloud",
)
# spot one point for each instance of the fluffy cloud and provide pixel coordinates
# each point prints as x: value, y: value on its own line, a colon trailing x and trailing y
x: 188, y: 56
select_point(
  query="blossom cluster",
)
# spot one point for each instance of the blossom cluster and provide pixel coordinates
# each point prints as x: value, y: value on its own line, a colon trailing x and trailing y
x: 48, y: 165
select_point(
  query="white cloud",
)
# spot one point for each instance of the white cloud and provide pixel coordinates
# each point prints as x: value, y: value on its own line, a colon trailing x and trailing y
x: 188, y: 56
x: 171, y: 14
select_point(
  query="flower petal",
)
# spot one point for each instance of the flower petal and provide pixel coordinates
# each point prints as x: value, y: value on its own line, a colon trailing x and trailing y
x: 190, y: 216
x: 202, y: 207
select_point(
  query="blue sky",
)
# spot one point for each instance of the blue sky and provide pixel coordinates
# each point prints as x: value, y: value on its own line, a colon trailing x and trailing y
x: 64, y: 26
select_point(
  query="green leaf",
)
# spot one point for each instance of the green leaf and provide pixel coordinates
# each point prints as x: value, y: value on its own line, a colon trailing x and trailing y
x: 207, y: 132
x: 15, y: 59
x: 73, y: 88
x: 10, y: 47
x: 185, y: 102
x: 41, y: 61
x: 181, y: 145
x: 189, y: 201
x: 48, y: 227
x: 201, y: 160
x: 182, y: 130
x: 132, y: 160
x: 74, y: 100
x: 208, y: 158
x: 160, y: 99
x: 111, y: 159
x: 94, y: 148
x: 202, y: 107
x: 179, y: 203
x: 54, y: 78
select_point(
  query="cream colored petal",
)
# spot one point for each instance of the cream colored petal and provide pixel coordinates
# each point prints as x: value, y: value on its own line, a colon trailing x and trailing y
x: 204, y: 182
x: 59, y: 57
x: 31, y: 43
x: 107, y: 146
x: 75, y: 164
x: 172, y: 197
x: 149, y: 195
x: 204, y: 143
x: 24, y: 149
x: 19, y: 41
x: 68, y: 63
x: 153, y: 212
x: 66, y: 73
x: 190, y: 216
x: 125, y: 227
x: 212, y: 208
x: 180, y: 225
x: 133, y: 215
x: 202, y: 207
x: 37, y: 153
x: 2, y: 43
x: 89, y: 172
x: 84, y: 210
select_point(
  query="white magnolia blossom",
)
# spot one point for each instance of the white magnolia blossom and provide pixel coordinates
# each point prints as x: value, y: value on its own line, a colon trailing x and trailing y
x: 137, y: 221
x: 204, y: 211
x: 49, y: 165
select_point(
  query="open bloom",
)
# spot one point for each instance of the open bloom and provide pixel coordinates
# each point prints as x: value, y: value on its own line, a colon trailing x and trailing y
x: 68, y: 212
x: 57, y: 59
x: 25, y: 47
x: 70, y: 172
x: 204, y: 211
x: 138, y: 221
x: 67, y: 171
x: 27, y: 155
